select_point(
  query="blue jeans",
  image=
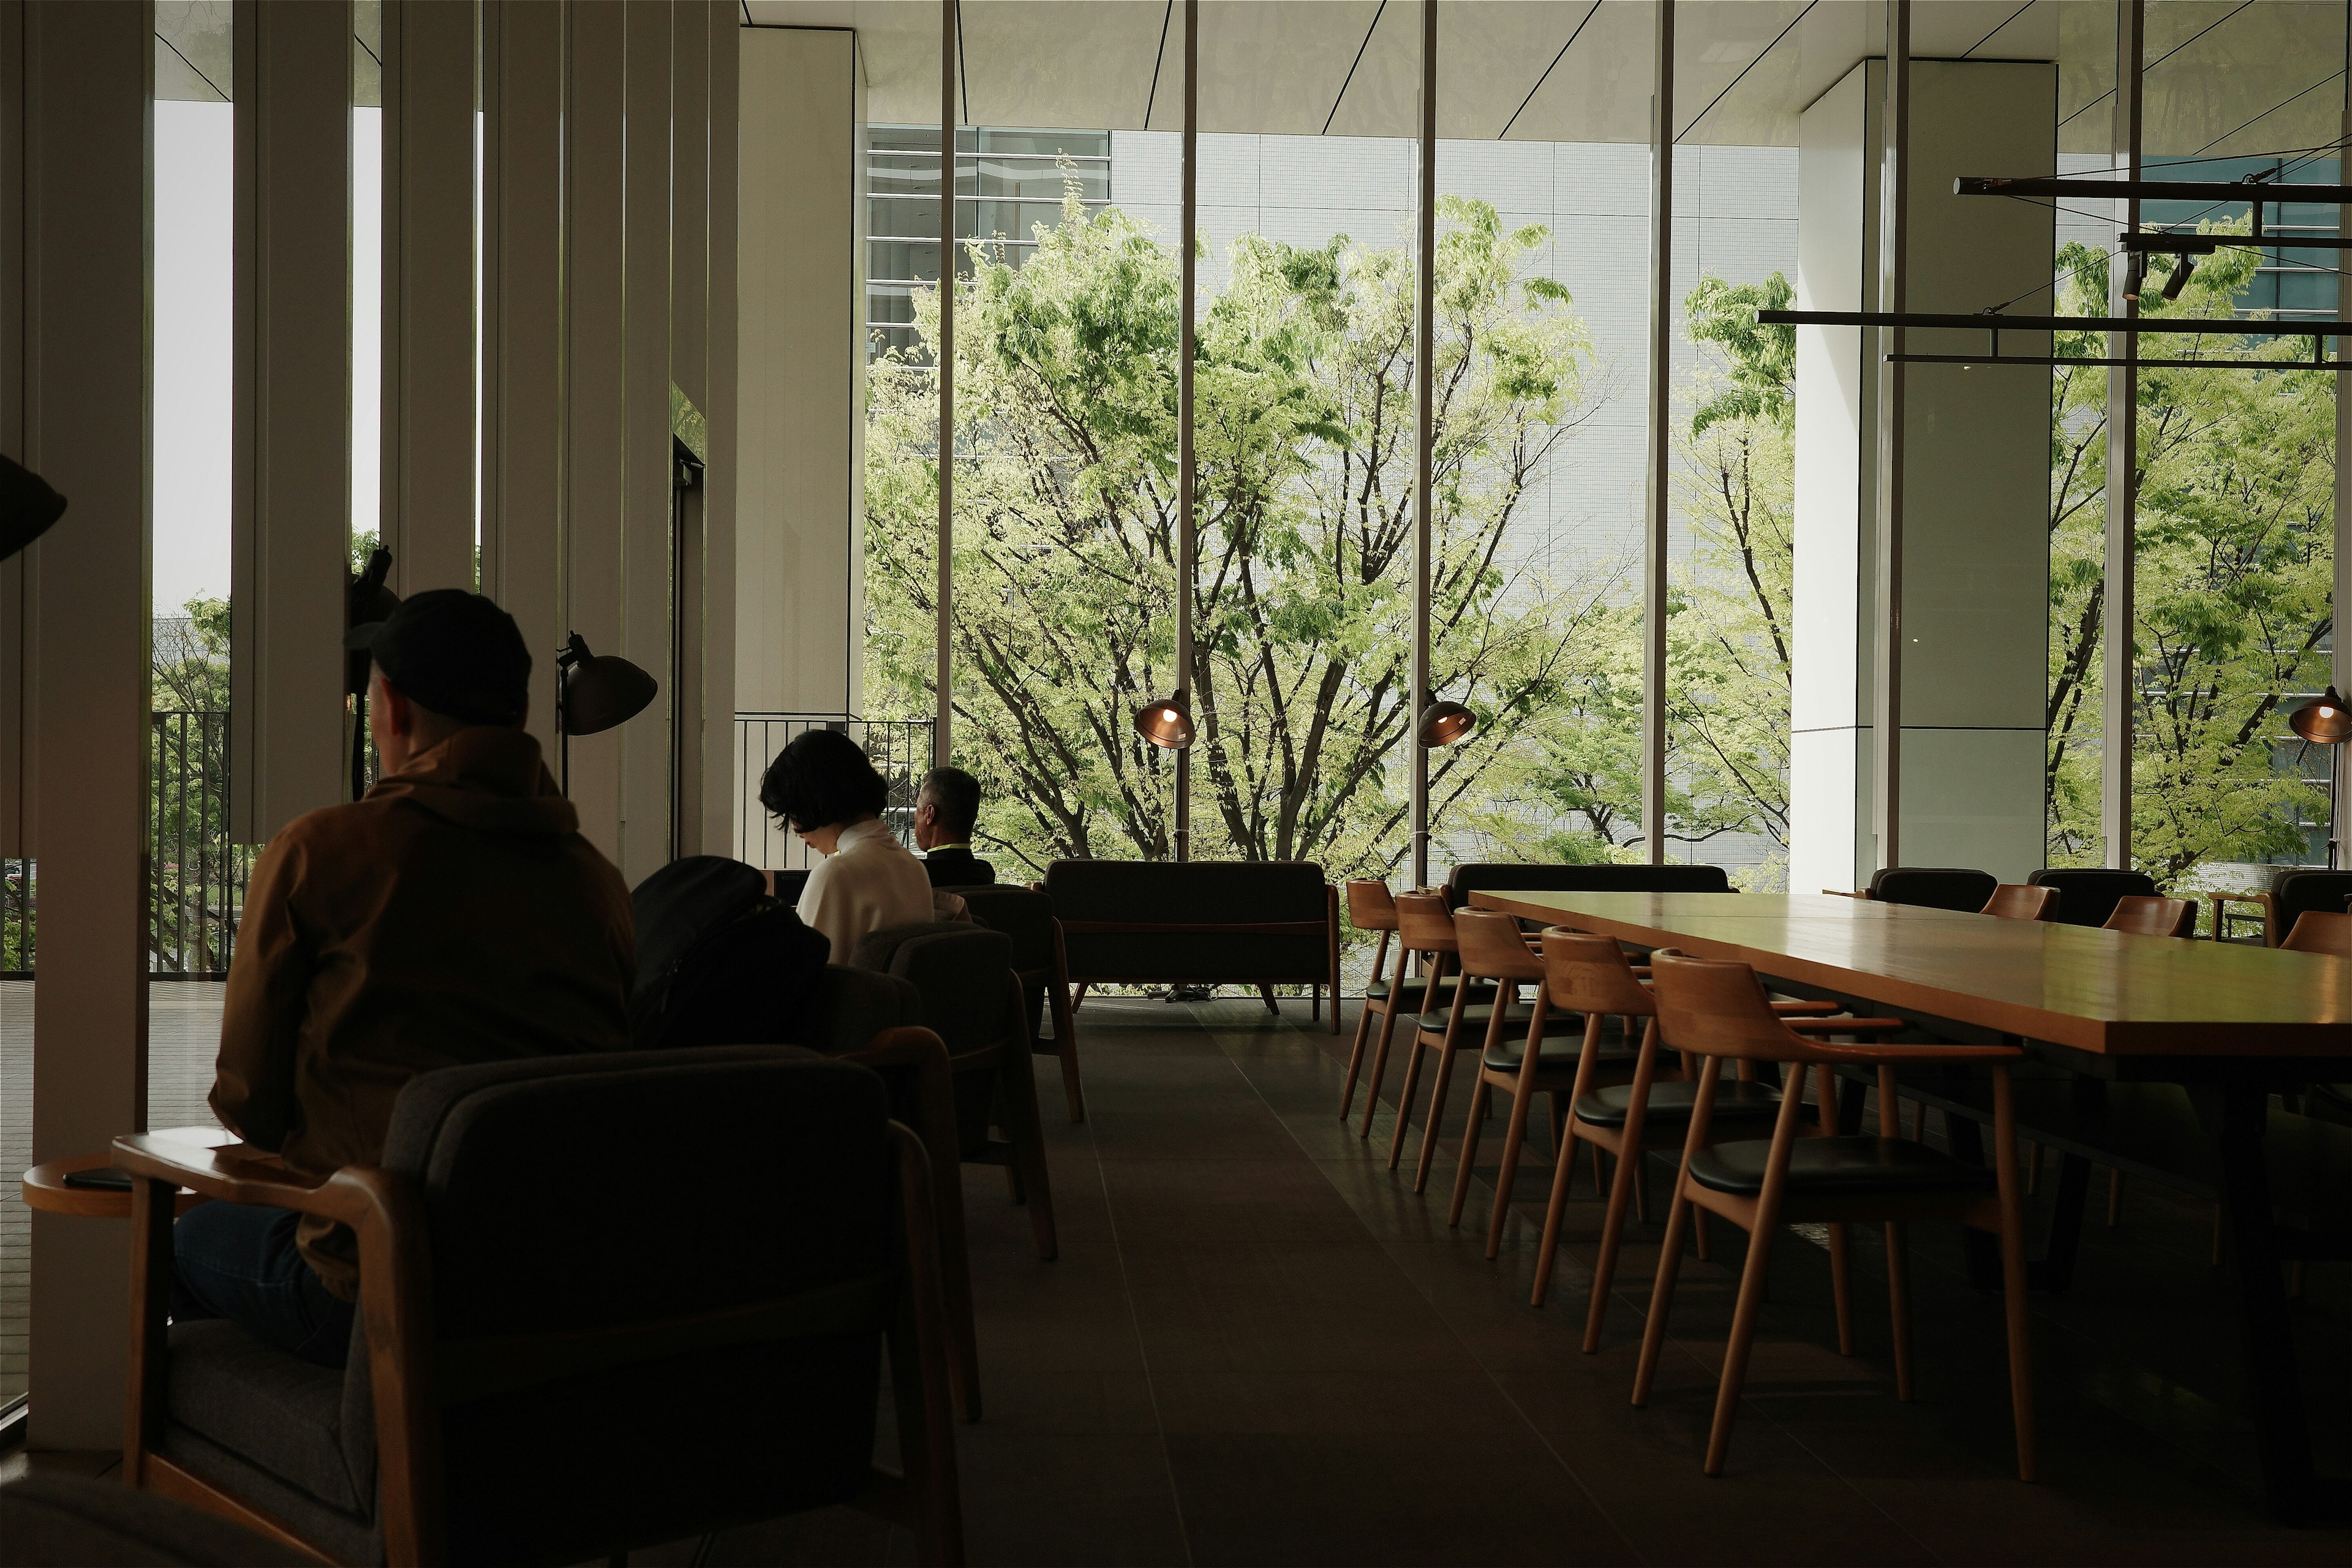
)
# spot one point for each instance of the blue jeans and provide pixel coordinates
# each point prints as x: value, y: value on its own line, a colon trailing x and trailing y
x: 239, y: 1262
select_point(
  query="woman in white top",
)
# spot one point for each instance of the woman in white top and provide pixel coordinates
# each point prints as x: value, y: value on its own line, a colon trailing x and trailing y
x: 824, y: 787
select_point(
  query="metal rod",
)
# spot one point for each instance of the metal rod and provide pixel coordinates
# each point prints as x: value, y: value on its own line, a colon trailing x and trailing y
x: 1425, y: 371
x: 2340, y: 657
x: 2158, y: 190
x: 1187, y: 475
x: 942, y: 746
x: 2120, y: 583
x: 1659, y: 458
x: 1894, y: 290
x: 1937, y: 321
x: 2141, y: 364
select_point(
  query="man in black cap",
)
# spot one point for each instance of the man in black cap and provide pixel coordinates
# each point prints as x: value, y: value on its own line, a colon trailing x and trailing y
x: 453, y: 915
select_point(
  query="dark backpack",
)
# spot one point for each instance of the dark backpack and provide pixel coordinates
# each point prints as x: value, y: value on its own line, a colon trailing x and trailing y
x: 720, y: 962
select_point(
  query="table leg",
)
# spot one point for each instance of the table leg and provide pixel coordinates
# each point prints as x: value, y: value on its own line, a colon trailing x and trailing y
x: 2282, y: 1431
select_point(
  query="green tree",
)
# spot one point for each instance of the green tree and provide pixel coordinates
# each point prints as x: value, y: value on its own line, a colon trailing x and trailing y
x: 2234, y: 573
x: 1066, y: 542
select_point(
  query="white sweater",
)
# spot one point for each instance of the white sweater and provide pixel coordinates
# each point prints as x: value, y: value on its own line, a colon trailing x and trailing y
x: 869, y: 881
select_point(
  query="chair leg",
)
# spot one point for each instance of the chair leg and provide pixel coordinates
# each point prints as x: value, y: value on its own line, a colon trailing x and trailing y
x: 1661, y: 1294
x: 1899, y: 1303
x: 1743, y: 1338
x: 1429, y: 1129
x: 1479, y: 1093
x: 1563, y: 1168
x: 1267, y: 992
x: 1604, y: 1267
x: 1066, y: 1047
x: 1028, y: 1139
x: 1515, y: 1138
x: 2114, y: 1199
x: 1355, y: 1056
x: 1842, y: 1288
x: 2012, y: 1276
x: 2033, y: 1169
x: 1380, y: 1052
x: 1404, y: 1097
x: 1698, y: 1235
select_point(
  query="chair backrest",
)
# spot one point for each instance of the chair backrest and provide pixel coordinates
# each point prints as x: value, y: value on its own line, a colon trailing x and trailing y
x: 847, y: 1008
x: 1424, y: 924
x: 589, y: 1218
x: 2021, y: 901
x: 2154, y: 916
x: 1023, y: 914
x: 1370, y: 906
x: 1934, y: 887
x: 1712, y: 1008
x: 1587, y: 974
x: 1498, y: 877
x: 2304, y: 890
x: 2318, y: 930
x: 1492, y: 948
x: 964, y: 976
x: 2087, y: 894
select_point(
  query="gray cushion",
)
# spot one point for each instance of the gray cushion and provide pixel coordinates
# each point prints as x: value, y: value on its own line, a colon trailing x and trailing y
x: 49, y: 1520
x: 277, y: 1411
x: 346, y: 1537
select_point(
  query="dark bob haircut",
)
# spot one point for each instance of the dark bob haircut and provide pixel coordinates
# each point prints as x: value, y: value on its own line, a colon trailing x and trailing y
x: 823, y: 779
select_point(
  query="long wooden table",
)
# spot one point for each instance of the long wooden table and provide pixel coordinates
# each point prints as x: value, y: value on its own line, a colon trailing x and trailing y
x: 2232, y: 1024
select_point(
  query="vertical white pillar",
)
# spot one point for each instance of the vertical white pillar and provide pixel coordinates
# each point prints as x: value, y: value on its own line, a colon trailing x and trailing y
x: 690, y: 331
x: 19, y: 626
x: 595, y: 380
x: 800, y: 379
x: 289, y: 520
x: 428, y: 293
x: 522, y: 331
x: 1658, y: 470
x: 1975, y: 520
x: 89, y: 73
x: 648, y: 548
x: 719, y: 478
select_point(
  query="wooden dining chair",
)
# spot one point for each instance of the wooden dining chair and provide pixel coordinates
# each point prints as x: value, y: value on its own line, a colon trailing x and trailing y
x: 1642, y: 1113
x: 1717, y: 1011
x: 1452, y: 1019
x: 2154, y: 916
x: 2317, y: 931
x: 1546, y: 1057
x: 2018, y: 901
x: 1371, y: 907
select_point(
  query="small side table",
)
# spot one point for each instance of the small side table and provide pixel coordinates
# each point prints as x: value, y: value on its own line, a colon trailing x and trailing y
x: 45, y: 1185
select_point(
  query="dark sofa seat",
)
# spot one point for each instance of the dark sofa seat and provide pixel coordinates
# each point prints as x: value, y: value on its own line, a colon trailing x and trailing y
x: 1208, y: 923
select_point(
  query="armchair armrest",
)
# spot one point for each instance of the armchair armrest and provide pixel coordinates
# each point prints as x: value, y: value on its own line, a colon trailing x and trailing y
x: 1799, y: 1008
x: 232, y: 1173
x: 2263, y: 902
x: 1843, y: 1025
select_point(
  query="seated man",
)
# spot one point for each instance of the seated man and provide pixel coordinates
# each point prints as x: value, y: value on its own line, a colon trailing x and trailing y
x: 453, y: 915
x: 945, y: 810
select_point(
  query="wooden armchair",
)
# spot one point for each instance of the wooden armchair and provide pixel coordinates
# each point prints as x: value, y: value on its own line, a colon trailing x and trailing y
x: 723, y: 1240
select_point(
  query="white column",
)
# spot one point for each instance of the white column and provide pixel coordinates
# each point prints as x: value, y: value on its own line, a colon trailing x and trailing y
x: 1975, y: 521
x: 595, y: 366
x: 428, y: 293
x: 522, y: 331
x: 290, y: 523
x: 647, y: 547
x: 801, y: 376
x: 89, y: 69
x: 719, y: 478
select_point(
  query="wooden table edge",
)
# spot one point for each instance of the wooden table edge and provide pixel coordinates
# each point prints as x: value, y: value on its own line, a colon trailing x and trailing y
x: 45, y: 1192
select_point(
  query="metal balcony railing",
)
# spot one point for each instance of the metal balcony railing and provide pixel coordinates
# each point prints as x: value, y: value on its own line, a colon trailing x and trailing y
x: 900, y: 750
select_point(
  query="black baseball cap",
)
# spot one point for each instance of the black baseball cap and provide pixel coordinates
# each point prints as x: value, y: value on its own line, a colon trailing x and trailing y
x: 452, y: 652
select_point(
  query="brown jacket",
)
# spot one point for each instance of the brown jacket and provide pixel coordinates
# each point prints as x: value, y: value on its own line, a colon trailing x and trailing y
x: 453, y: 915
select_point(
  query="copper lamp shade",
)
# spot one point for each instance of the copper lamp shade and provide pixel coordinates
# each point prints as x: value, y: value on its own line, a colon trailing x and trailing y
x: 2323, y: 721
x: 1164, y: 722
x: 1443, y: 723
x: 599, y: 691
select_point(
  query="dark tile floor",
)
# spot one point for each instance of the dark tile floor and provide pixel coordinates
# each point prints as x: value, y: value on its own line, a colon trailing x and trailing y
x: 1260, y: 1346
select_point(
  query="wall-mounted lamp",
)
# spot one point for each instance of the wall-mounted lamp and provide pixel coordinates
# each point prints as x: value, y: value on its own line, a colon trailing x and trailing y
x: 365, y: 601
x: 1166, y: 722
x: 28, y: 507
x: 2324, y: 722
x: 596, y: 692
x: 2182, y: 267
x: 1443, y: 723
